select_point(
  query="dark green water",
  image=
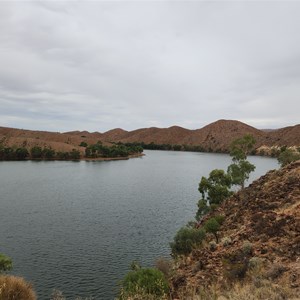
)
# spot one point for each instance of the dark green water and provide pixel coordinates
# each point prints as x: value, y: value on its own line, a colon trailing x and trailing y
x: 77, y: 226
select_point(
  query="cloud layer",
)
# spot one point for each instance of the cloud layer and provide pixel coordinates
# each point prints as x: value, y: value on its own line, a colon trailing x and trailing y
x: 100, y: 65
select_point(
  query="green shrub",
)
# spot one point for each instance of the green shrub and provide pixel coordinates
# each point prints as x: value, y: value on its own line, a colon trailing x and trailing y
x: 149, y: 281
x: 287, y: 156
x: 5, y: 263
x: 83, y: 144
x: 212, y: 226
x: 186, y: 239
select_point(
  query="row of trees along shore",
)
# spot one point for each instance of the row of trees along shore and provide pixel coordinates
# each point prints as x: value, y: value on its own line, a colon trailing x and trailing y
x: 47, y: 153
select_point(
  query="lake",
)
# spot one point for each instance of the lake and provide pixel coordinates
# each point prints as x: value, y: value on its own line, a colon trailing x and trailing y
x: 77, y: 226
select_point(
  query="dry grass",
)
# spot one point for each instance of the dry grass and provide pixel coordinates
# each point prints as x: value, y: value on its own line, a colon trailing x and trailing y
x: 264, y: 290
x: 15, y: 288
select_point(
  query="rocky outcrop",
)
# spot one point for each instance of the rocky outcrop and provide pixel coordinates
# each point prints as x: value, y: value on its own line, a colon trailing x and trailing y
x: 261, y: 228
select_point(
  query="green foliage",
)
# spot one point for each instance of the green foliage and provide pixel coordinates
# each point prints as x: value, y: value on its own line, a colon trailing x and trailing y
x: 117, y: 150
x: 214, y: 190
x: 13, y: 153
x: 7, y: 153
x: 240, y: 148
x: 83, y: 144
x: 240, y: 170
x: 212, y: 226
x: 287, y: 156
x: 36, y: 152
x: 5, y: 263
x: 203, y: 209
x: 21, y: 153
x: 186, y: 239
x: 48, y: 153
x: 74, y: 154
x: 150, y: 281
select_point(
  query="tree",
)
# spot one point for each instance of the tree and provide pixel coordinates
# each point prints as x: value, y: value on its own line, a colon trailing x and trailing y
x: 21, y: 153
x: 212, y: 226
x: 48, y: 153
x: 214, y: 190
x: 75, y: 154
x: 36, y: 152
x: 240, y: 169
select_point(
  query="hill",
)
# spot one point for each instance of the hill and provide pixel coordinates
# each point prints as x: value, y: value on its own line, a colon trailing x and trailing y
x: 215, y: 137
x: 260, y: 239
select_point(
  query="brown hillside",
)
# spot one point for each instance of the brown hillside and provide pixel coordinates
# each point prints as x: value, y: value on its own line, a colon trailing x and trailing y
x: 261, y: 228
x: 215, y: 137
x: 114, y: 135
x: 285, y: 136
x: 55, y: 140
x: 172, y: 135
x: 218, y: 135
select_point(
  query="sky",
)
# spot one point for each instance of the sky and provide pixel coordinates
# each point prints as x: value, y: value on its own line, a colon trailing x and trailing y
x: 99, y: 65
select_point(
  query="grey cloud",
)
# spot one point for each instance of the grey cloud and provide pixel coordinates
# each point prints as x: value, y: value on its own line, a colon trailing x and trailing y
x: 99, y: 65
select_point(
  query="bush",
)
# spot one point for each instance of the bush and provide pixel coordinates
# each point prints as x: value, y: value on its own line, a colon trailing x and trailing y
x: 287, y: 156
x: 226, y: 241
x: 148, y: 281
x: 212, y: 245
x: 247, y: 248
x: 255, y: 262
x: 186, y: 239
x: 15, y: 288
x: 5, y: 263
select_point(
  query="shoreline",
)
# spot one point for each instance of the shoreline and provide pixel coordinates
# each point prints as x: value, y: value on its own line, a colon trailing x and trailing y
x: 81, y: 158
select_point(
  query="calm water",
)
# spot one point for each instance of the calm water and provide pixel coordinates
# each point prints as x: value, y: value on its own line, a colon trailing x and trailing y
x: 77, y: 226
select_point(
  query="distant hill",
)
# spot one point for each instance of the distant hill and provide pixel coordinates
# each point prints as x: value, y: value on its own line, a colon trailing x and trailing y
x: 215, y: 137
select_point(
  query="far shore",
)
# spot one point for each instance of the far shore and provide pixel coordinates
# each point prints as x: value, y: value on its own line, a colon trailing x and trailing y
x: 81, y: 158
x: 111, y: 158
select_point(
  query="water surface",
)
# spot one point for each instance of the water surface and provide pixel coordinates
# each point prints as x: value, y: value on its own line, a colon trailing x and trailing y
x: 77, y: 226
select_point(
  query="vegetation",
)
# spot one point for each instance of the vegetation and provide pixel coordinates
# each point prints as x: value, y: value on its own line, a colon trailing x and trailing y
x: 287, y: 156
x: 5, y: 263
x: 15, y: 288
x: 186, y: 239
x: 145, y: 282
x: 240, y: 169
x: 47, y: 153
x: 214, y: 190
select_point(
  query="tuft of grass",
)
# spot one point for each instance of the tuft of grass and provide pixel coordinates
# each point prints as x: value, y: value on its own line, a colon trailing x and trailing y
x: 15, y: 288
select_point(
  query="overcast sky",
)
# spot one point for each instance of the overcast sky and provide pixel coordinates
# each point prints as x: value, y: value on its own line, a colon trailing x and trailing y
x: 98, y: 65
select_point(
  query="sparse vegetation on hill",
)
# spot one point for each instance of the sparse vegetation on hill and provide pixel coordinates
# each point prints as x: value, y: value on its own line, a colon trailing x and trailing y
x: 215, y: 137
x: 257, y: 255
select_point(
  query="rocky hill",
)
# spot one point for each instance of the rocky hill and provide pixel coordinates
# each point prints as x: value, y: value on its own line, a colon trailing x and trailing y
x: 259, y: 239
x: 215, y: 137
